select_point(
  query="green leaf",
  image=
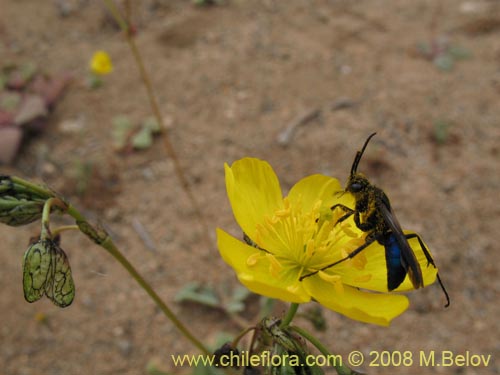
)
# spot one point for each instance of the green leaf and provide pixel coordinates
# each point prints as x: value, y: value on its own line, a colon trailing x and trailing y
x: 424, y: 48
x: 236, y: 304
x: 445, y: 62
x: 28, y: 71
x: 142, y: 139
x: 9, y: 101
x: 459, y: 53
x: 441, y: 131
x: 199, y: 294
x: 122, y: 127
x: 151, y: 124
x: 241, y: 293
x: 94, y: 81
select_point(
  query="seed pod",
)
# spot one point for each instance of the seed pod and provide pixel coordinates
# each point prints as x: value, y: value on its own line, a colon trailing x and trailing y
x: 46, y: 270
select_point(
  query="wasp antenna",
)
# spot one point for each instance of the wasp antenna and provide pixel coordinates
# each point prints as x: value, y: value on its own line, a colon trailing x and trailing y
x: 359, y: 154
x: 444, y: 291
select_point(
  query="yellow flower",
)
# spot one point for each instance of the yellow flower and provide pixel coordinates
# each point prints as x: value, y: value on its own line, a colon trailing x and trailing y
x: 296, y: 235
x: 101, y: 63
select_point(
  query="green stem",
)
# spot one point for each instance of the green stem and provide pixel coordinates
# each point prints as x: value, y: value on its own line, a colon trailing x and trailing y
x: 116, y: 15
x: 103, y: 240
x: 39, y: 189
x: 179, y: 171
x: 45, y: 232
x: 237, y: 339
x: 289, y: 315
x: 64, y: 228
x: 341, y: 369
x: 75, y: 214
x: 113, y: 250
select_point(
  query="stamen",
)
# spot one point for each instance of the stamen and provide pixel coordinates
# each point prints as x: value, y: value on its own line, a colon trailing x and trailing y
x: 335, y: 280
x: 363, y: 278
x: 275, y: 266
x: 329, y: 278
x: 294, y: 288
x: 310, y: 249
x: 307, y: 241
x: 253, y: 259
x: 359, y: 261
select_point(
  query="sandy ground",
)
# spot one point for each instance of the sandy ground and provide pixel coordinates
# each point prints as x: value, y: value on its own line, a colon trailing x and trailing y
x: 230, y: 79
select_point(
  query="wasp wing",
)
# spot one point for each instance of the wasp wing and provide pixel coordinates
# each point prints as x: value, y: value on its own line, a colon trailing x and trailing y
x: 408, y: 258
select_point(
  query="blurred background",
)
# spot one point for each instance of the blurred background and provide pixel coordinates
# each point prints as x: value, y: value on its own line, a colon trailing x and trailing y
x: 298, y: 83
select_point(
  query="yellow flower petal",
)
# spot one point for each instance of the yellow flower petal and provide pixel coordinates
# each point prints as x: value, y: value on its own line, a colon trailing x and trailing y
x: 256, y: 275
x: 366, y: 307
x: 374, y: 274
x: 313, y: 188
x: 254, y: 193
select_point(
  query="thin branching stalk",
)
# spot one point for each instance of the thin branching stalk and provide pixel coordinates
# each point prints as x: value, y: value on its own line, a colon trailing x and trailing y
x: 100, y: 237
x: 63, y: 228
x: 125, y: 26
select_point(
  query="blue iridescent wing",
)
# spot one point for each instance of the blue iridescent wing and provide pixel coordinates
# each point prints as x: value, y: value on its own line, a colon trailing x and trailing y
x: 397, y: 240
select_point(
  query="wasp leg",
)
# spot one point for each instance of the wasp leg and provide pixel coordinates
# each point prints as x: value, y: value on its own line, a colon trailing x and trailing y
x: 365, y: 227
x: 369, y: 241
x: 430, y: 261
x: 249, y: 241
x: 423, y: 247
x: 349, y: 211
x: 369, y: 225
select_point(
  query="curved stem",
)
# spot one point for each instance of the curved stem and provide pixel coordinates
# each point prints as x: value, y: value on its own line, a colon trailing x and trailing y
x: 113, y: 250
x: 179, y: 171
x: 64, y: 228
x: 116, y: 15
x: 45, y: 232
x: 289, y: 315
x: 340, y: 368
x: 100, y: 237
x: 237, y: 339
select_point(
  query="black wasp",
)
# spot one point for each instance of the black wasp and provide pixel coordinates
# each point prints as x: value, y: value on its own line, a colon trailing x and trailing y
x: 373, y: 214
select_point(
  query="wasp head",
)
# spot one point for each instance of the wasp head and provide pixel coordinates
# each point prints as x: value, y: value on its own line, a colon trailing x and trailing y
x: 357, y: 184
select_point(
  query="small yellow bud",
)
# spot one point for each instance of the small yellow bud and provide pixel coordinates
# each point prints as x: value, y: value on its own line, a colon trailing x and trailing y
x: 101, y: 63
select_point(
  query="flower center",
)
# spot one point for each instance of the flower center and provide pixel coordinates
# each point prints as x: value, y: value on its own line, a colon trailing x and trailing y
x: 304, y: 241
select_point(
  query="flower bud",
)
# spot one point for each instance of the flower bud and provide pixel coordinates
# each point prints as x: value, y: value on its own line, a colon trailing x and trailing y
x: 21, y: 203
